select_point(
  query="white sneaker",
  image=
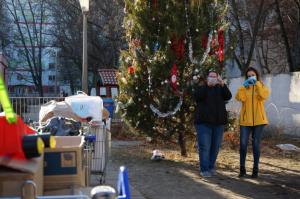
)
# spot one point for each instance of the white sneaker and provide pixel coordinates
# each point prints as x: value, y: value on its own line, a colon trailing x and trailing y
x: 205, y: 174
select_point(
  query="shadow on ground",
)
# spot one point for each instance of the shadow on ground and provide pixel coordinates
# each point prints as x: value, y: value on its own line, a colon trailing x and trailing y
x: 180, y: 180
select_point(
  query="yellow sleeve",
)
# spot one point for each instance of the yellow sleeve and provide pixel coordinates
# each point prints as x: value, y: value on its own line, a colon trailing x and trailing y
x: 241, y: 94
x: 263, y: 92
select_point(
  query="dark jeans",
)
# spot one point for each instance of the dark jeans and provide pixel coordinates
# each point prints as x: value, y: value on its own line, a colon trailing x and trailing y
x: 209, y: 141
x: 256, y: 137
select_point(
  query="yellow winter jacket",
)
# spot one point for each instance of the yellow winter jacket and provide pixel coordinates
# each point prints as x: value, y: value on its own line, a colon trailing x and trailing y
x: 253, y: 110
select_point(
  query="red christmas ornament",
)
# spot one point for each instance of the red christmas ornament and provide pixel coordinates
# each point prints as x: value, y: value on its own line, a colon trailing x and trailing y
x: 177, y: 45
x: 131, y: 70
x: 174, y: 77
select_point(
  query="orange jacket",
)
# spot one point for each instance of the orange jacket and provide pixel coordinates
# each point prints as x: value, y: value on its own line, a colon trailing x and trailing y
x: 253, y: 110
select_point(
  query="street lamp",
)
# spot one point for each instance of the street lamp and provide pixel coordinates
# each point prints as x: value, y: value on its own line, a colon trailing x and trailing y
x: 84, y: 4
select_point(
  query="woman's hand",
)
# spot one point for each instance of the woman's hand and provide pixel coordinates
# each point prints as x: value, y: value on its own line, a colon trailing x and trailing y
x: 220, y: 80
x: 252, y: 80
x: 246, y: 83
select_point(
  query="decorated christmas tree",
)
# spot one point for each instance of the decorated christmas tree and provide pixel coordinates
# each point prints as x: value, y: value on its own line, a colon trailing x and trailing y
x: 171, y: 46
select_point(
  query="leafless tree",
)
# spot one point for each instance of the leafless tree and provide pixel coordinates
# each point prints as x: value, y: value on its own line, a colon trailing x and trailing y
x: 267, y: 33
x: 4, y: 30
x: 284, y: 36
x: 246, y: 20
x: 289, y: 11
x: 28, y: 35
x: 104, y: 35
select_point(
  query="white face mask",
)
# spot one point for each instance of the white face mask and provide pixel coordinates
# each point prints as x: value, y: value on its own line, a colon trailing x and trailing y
x: 212, y: 80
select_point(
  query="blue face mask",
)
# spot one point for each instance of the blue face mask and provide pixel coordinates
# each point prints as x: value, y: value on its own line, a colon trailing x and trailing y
x: 252, y: 80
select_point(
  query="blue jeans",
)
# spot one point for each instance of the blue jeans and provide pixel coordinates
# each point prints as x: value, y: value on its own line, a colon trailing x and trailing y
x: 256, y: 137
x: 209, y: 141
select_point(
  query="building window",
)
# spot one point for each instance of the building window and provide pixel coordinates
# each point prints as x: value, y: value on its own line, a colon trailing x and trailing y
x: 51, y: 66
x: 51, y: 89
x: 19, y: 91
x: 66, y: 80
x: 102, y: 91
x: 114, y: 92
x: 51, y: 77
x: 19, y: 77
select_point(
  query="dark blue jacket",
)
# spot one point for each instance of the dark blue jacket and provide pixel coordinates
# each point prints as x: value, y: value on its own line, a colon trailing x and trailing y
x: 210, y: 106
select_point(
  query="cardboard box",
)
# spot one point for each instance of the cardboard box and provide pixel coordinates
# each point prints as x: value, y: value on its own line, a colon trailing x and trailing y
x: 12, y: 180
x: 63, y: 166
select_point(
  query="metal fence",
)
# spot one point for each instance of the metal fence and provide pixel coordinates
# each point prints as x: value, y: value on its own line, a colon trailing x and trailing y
x: 28, y: 108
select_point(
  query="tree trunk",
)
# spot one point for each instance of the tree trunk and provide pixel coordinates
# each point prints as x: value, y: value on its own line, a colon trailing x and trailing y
x: 95, y: 75
x: 257, y: 24
x: 256, y: 51
x: 241, y: 62
x: 181, y: 136
x: 71, y: 79
x: 296, y: 50
x: 181, y: 141
x: 285, y: 37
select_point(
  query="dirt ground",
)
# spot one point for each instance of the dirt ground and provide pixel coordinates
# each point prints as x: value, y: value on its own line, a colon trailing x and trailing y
x: 178, y: 177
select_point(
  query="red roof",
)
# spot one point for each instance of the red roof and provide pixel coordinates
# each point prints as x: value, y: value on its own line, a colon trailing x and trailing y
x: 108, y: 76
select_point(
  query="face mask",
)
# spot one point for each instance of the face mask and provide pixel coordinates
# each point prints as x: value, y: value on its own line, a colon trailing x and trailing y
x: 212, y: 80
x: 252, y: 78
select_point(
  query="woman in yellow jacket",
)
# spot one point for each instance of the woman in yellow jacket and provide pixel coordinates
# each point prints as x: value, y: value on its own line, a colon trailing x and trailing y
x: 253, y: 117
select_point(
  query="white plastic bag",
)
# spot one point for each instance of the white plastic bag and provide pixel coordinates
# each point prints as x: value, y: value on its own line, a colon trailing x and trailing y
x: 86, y: 106
x: 288, y: 147
x: 56, y: 109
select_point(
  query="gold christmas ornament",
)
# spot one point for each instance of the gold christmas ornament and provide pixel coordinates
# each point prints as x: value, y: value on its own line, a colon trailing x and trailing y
x: 124, y: 80
x: 174, y: 119
x: 192, y: 108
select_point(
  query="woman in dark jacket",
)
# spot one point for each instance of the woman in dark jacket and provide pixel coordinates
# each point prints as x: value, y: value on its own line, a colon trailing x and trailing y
x: 210, y: 118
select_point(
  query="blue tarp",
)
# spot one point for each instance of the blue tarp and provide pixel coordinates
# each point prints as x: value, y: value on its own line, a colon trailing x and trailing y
x: 108, y: 103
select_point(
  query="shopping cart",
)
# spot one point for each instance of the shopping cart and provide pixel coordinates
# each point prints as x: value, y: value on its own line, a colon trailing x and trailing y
x: 97, y: 150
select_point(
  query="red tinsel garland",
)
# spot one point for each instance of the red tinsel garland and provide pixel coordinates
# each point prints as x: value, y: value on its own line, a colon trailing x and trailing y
x: 221, y: 45
x: 177, y: 45
x: 214, y: 49
x: 154, y: 3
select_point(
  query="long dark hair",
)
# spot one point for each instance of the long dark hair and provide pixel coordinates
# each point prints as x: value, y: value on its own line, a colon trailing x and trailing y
x: 255, y: 71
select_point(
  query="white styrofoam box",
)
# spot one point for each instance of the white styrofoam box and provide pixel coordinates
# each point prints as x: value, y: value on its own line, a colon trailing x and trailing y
x: 86, y: 106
